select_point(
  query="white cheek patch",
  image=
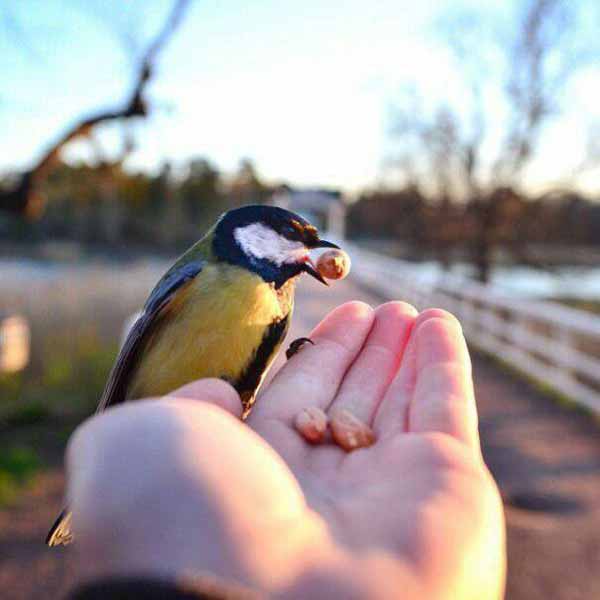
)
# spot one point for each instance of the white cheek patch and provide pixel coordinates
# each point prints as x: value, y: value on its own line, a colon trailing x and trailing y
x: 262, y: 242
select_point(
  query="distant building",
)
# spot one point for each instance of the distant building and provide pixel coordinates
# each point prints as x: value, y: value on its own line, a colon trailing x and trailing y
x: 324, y: 208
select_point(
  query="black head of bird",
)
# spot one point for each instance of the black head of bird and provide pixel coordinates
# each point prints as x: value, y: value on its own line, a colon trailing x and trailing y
x: 268, y: 240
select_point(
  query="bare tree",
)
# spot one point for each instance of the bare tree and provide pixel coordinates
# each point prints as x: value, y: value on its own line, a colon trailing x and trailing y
x: 538, y: 59
x: 26, y: 197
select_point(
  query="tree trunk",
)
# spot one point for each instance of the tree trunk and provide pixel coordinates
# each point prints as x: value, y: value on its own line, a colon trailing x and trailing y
x: 484, y: 242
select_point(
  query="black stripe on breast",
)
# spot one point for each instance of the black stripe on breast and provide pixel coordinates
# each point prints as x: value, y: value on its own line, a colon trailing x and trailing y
x: 247, y: 384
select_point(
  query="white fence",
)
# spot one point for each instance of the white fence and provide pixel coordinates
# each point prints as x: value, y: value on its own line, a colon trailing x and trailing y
x: 556, y: 345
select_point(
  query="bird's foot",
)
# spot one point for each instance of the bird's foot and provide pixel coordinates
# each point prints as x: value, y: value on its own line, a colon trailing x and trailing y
x: 296, y: 345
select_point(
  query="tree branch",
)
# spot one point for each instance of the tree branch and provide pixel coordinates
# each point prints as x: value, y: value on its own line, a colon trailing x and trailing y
x: 26, y: 198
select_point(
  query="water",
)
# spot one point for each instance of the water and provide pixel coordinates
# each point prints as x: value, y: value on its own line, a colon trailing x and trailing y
x: 575, y: 282
x: 526, y: 282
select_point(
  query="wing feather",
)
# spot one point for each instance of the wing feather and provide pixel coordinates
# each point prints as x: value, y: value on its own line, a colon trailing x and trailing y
x: 141, y: 331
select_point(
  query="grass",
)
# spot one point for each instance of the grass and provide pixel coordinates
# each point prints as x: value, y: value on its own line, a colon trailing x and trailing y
x: 18, y: 465
x: 40, y: 406
x: 69, y: 378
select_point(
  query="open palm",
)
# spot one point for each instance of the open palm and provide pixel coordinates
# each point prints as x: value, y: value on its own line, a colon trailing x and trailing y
x: 415, y: 515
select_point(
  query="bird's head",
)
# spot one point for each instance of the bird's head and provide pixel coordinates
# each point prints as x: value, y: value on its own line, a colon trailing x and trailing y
x: 268, y: 240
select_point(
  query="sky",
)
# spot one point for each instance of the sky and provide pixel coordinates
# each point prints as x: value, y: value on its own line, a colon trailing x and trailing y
x: 305, y: 89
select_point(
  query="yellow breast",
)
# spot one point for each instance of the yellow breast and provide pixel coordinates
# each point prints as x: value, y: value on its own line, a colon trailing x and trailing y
x: 209, y: 334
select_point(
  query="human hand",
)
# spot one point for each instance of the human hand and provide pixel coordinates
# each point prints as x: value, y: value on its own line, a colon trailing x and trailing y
x: 173, y: 486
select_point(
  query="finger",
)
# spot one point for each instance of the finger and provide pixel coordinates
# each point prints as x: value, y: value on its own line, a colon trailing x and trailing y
x: 313, y: 376
x: 212, y: 391
x: 371, y: 373
x: 444, y: 399
x: 392, y: 413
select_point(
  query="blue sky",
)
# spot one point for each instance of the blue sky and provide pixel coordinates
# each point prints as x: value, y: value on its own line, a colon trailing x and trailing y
x: 302, y: 88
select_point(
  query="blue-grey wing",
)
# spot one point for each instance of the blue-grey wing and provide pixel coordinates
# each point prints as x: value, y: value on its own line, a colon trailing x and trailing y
x: 120, y: 375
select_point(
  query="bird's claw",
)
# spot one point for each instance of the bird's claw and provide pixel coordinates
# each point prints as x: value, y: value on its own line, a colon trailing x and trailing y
x: 295, y: 346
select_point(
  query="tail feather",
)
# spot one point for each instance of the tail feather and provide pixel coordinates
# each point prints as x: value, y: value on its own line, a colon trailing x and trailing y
x: 60, y: 533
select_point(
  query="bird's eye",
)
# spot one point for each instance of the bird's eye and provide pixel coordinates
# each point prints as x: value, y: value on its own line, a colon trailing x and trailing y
x: 290, y: 232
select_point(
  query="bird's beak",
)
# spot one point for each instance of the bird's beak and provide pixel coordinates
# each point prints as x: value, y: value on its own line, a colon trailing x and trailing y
x: 309, y: 267
x: 323, y: 244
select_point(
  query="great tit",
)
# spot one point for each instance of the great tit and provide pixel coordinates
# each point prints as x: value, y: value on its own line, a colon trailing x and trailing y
x: 222, y: 310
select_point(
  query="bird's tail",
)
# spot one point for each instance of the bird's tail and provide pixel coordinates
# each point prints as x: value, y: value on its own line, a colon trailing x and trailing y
x: 60, y: 533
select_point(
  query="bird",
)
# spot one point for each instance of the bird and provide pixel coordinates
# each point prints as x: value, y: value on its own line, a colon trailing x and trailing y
x: 222, y: 310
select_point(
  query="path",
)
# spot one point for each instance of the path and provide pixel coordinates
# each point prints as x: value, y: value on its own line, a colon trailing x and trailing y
x: 545, y: 458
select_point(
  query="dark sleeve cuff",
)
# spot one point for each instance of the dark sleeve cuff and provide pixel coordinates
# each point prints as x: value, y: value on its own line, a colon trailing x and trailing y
x: 184, y: 588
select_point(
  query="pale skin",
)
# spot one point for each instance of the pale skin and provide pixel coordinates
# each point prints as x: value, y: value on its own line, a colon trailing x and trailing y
x: 181, y: 485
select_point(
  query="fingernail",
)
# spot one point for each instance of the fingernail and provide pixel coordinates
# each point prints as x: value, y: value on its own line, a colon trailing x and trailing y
x: 349, y: 432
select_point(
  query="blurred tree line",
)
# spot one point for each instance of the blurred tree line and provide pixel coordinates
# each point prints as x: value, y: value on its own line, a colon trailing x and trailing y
x: 112, y: 208
x: 108, y: 205
x: 536, y: 230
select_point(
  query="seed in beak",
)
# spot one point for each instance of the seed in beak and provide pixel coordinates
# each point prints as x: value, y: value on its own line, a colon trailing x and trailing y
x: 334, y: 264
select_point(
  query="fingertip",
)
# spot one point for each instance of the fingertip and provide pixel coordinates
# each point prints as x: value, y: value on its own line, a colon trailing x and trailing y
x: 438, y: 326
x: 436, y: 313
x: 213, y: 391
x: 345, y: 323
x: 352, y: 310
x: 396, y: 308
x: 395, y: 314
x: 440, y: 340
